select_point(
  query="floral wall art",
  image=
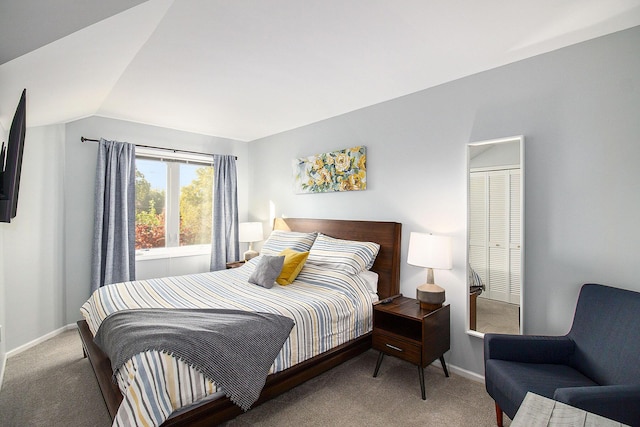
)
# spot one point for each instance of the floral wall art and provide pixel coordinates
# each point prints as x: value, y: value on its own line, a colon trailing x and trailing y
x: 342, y: 170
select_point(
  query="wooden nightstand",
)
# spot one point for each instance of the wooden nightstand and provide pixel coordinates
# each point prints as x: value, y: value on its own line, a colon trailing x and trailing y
x: 235, y: 264
x: 402, y: 329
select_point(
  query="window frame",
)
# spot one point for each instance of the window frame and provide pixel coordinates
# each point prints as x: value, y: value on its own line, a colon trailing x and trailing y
x: 173, y: 160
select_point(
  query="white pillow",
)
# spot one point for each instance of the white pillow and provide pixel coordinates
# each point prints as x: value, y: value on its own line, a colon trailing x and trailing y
x: 371, y: 279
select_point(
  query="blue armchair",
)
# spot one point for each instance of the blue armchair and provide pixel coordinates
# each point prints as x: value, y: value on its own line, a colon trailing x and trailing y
x: 595, y: 367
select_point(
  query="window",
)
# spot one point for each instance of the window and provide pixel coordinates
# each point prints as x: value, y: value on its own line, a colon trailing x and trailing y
x: 173, y: 199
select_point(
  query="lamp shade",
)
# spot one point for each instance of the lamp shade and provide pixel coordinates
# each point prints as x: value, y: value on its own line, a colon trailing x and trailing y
x: 250, y: 232
x: 427, y: 250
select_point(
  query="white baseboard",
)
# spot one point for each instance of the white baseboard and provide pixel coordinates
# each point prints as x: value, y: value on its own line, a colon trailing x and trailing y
x: 459, y: 371
x: 467, y: 374
x: 3, y: 363
x: 42, y: 339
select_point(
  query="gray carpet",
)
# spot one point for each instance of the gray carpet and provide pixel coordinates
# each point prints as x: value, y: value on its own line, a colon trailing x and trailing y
x: 51, y: 384
x: 497, y: 316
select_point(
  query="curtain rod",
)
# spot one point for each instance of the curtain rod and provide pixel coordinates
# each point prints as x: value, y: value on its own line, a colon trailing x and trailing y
x: 83, y: 139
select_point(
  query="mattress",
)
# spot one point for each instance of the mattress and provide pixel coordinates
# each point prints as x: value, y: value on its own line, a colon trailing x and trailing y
x: 329, y: 308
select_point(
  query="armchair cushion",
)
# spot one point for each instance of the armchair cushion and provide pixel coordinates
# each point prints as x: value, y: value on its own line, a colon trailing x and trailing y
x: 619, y: 402
x: 508, y: 382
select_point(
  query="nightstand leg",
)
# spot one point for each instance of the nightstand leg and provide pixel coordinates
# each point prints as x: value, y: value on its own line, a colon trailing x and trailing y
x: 421, y: 376
x: 380, y: 357
x: 444, y: 367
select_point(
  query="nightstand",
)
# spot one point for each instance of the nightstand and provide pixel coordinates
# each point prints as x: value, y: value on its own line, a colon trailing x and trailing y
x: 235, y: 264
x: 402, y: 329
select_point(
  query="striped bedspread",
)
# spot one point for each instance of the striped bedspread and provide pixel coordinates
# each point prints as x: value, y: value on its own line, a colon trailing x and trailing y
x: 329, y: 308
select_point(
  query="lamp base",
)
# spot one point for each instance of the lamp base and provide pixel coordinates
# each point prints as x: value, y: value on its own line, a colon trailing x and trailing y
x: 250, y: 254
x: 429, y: 307
x: 430, y: 296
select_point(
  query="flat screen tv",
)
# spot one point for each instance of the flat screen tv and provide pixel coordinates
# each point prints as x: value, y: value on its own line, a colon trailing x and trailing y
x: 11, y: 162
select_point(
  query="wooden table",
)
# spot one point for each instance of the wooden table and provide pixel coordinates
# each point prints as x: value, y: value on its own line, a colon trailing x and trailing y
x: 402, y: 329
x: 538, y: 411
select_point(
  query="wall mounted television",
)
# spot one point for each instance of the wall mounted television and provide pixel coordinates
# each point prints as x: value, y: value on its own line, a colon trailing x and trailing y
x: 11, y: 162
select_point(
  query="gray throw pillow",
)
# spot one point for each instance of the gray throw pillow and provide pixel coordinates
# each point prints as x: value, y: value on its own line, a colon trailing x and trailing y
x: 267, y: 271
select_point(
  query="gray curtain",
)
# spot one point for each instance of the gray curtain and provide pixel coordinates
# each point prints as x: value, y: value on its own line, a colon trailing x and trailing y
x: 115, y: 215
x: 224, y: 239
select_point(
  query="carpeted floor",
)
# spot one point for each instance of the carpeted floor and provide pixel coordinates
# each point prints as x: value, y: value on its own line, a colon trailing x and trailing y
x: 497, y: 316
x: 51, y: 384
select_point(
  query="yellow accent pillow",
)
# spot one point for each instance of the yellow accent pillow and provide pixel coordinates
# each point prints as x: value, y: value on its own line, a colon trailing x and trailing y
x: 293, y: 263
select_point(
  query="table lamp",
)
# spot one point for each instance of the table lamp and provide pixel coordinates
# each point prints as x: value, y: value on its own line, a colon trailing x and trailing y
x: 250, y: 232
x: 427, y: 250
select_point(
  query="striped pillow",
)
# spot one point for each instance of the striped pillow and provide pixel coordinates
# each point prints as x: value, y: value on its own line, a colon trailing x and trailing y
x: 280, y: 240
x: 347, y: 255
x: 475, y: 281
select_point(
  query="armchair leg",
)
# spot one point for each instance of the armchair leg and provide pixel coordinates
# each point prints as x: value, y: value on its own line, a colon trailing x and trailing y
x: 498, y: 416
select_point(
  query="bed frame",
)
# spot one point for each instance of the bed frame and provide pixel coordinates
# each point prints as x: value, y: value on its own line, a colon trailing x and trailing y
x: 387, y: 265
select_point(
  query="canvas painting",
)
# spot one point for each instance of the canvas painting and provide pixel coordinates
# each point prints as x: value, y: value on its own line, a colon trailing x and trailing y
x: 342, y: 170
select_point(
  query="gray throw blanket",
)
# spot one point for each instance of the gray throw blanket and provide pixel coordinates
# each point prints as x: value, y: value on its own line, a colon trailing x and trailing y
x: 231, y: 347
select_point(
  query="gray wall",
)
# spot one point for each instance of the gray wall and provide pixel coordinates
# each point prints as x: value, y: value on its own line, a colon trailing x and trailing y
x: 33, y: 242
x: 578, y: 109
x: 3, y: 300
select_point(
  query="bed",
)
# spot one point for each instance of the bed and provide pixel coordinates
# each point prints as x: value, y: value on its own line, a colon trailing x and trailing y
x: 211, y: 412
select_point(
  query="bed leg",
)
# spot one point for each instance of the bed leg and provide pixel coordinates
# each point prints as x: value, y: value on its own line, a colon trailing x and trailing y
x: 84, y: 350
x: 380, y: 357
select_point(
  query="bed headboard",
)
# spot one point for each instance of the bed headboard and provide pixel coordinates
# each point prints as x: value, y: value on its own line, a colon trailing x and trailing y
x: 386, y: 234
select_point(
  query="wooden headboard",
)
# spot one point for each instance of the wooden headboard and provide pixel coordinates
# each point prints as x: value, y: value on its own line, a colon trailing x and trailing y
x: 386, y: 234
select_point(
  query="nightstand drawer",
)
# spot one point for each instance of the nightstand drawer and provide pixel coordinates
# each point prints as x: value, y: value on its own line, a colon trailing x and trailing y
x: 398, y: 347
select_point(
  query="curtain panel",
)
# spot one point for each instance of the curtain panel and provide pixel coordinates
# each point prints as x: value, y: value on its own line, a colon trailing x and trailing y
x: 114, y: 221
x: 224, y: 239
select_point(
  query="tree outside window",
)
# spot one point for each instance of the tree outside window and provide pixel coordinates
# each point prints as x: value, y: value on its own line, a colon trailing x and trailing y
x: 173, y: 203
x: 196, y: 208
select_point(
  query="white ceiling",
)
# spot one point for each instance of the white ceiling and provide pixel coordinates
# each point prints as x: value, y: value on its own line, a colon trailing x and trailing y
x: 245, y: 69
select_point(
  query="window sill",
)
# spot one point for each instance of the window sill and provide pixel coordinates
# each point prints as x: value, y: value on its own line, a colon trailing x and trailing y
x: 163, y: 253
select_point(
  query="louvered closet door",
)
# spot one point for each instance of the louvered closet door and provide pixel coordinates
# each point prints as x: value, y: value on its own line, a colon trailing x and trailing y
x: 478, y: 223
x: 498, y: 236
x: 494, y: 232
x: 515, y: 233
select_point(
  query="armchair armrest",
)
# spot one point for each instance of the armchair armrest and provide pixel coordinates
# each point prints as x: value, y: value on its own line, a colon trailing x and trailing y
x: 528, y: 348
x: 616, y: 402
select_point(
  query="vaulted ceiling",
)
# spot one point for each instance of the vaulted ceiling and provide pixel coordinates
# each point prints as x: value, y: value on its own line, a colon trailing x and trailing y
x: 245, y: 69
